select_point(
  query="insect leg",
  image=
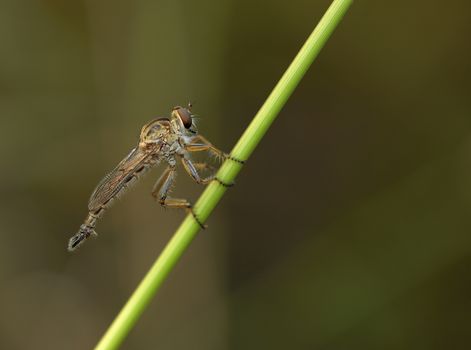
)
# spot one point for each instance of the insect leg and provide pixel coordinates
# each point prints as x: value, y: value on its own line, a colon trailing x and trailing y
x: 200, y: 143
x: 203, y: 166
x: 162, y: 188
x: 192, y: 169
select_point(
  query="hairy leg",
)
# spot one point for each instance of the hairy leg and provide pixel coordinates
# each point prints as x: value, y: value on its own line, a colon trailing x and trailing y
x: 161, y: 189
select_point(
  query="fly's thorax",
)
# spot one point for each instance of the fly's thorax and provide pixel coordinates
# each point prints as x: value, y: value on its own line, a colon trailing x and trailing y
x: 176, y: 126
x: 152, y: 147
x: 169, y: 147
x: 186, y: 139
x: 155, y: 131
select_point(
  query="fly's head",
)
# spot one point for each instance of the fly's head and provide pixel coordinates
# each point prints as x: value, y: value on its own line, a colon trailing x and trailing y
x: 154, y: 132
x: 182, y: 119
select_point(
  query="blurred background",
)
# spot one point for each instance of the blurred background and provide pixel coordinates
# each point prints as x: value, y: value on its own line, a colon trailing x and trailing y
x: 349, y: 228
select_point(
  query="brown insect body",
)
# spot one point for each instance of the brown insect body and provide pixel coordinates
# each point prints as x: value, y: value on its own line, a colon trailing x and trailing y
x: 160, y: 140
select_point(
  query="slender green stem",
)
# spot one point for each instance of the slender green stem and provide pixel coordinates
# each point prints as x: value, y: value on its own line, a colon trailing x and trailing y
x: 229, y: 170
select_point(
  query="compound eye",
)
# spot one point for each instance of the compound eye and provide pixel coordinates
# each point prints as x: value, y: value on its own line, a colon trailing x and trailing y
x: 185, y: 116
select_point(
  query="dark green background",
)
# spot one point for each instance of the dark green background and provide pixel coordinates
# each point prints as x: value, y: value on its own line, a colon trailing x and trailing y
x: 349, y: 228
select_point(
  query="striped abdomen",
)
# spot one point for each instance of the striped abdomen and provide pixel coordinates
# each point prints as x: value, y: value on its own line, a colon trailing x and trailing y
x: 128, y: 171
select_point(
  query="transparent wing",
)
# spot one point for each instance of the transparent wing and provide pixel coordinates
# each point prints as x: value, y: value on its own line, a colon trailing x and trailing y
x: 117, y: 179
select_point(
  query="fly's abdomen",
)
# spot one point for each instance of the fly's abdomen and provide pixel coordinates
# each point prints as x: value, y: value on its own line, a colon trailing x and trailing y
x: 126, y: 173
x: 86, y: 230
x: 112, y: 187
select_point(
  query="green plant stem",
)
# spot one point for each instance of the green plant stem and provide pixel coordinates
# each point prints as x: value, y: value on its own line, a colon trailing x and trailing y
x: 144, y: 293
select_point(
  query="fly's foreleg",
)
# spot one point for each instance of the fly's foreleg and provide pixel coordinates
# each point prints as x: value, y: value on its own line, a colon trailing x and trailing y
x: 200, y: 143
x: 203, y: 166
x: 162, y: 188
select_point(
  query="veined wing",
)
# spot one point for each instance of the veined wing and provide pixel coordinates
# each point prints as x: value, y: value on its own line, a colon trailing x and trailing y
x: 118, y: 179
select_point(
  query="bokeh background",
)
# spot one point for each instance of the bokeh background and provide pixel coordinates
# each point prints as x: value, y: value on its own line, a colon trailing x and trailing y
x: 349, y: 228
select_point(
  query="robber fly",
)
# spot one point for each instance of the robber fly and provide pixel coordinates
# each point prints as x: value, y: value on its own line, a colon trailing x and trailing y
x: 161, y: 140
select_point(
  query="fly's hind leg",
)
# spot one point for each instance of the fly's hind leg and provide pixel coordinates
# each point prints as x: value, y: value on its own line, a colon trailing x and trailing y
x: 192, y: 169
x: 161, y: 189
x: 205, y: 166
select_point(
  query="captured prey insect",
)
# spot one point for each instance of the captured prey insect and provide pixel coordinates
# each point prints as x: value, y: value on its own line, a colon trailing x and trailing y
x: 161, y: 140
